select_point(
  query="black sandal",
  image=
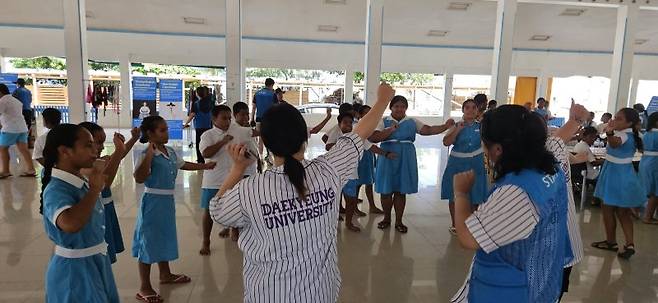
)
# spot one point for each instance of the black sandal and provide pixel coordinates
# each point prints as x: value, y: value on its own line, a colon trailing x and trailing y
x: 605, y: 245
x: 384, y: 224
x: 629, y: 251
x: 401, y: 228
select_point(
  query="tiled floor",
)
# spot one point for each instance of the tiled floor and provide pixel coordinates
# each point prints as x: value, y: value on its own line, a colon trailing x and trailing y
x: 425, y: 265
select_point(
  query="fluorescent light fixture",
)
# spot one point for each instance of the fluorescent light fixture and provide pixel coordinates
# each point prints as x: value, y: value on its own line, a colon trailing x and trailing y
x: 437, y: 33
x: 459, y: 6
x: 193, y: 20
x: 540, y: 38
x: 335, y: 1
x: 573, y: 12
x: 90, y: 15
x: 327, y: 28
x: 640, y: 41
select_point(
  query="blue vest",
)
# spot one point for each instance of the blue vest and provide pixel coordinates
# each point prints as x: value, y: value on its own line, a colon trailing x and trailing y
x: 264, y: 100
x: 626, y: 150
x: 528, y: 270
x: 468, y: 140
x: 406, y: 129
x: 163, y: 171
x: 201, y: 119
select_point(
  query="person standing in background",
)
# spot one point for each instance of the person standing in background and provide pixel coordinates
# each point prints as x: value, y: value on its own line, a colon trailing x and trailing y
x: 590, y: 121
x: 25, y: 96
x: 605, y: 118
x: 13, y: 132
x: 644, y: 116
x: 201, y: 113
x: 264, y: 98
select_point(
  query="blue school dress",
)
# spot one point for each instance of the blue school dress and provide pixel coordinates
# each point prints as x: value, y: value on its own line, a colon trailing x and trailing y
x: 113, y: 235
x: 80, y: 270
x: 649, y: 163
x: 618, y: 183
x: 400, y: 174
x: 366, y: 168
x: 529, y: 270
x: 466, y: 154
x: 155, y: 237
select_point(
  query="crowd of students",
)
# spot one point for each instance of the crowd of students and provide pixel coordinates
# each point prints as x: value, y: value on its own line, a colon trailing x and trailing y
x: 507, y: 182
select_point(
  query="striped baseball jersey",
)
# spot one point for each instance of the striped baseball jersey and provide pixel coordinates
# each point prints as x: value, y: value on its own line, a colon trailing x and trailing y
x: 289, y: 244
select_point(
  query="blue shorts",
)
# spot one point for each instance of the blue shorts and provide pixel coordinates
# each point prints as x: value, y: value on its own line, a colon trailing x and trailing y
x: 9, y: 139
x: 206, y: 195
x: 350, y: 188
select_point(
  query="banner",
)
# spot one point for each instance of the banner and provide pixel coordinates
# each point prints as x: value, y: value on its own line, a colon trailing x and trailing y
x: 653, y: 105
x: 9, y: 79
x: 171, y: 106
x: 144, y: 94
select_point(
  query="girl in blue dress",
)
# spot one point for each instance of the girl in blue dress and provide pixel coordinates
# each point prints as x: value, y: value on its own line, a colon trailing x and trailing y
x: 79, y: 270
x: 649, y: 168
x: 618, y: 185
x: 367, y: 172
x: 395, y: 178
x: 113, y: 235
x: 466, y: 154
x: 155, y: 240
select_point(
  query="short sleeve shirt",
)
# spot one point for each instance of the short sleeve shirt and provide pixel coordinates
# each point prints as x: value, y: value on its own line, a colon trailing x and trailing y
x: 11, y: 115
x: 39, y: 144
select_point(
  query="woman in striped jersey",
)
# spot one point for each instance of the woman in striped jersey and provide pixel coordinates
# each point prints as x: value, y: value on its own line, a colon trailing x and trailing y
x: 288, y: 214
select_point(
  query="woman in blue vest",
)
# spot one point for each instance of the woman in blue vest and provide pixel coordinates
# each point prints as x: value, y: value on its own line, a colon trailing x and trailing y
x: 466, y: 154
x: 200, y: 112
x: 520, y: 232
x: 395, y: 178
x: 618, y: 185
x: 649, y: 168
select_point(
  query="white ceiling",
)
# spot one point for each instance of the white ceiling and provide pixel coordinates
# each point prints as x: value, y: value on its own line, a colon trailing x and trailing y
x: 406, y: 22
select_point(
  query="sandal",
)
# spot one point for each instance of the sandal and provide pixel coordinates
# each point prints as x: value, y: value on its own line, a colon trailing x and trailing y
x: 401, y: 228
x: 5, y: 176
x: 179, y: 279
x: 650, y: 221
x: 605, y: 245
x: 149, y: 299
x: 629, y: 251
x: 452, y: 230
x: 384, y: 224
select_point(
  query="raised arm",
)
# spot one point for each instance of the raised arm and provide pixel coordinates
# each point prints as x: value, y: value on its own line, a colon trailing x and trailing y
x: 577, y: 114
x: 144, y: 169
x: 74, y: 219
x: 451, y: 137
x: 427, y: 130
x: 316, y: 129
x: 368, y: 123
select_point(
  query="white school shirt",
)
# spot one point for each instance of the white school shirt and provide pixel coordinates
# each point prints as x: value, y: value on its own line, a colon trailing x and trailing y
x: 509, y: 216
x: 213, y: 178
x: 11, y: 115
x: 583, y: 147
x: 39, y: 144
x: 288, y: 244
x: 601, y: 127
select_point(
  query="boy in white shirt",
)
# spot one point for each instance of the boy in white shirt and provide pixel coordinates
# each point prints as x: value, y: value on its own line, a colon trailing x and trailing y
x: 584, y: 153
x: 51, y: 118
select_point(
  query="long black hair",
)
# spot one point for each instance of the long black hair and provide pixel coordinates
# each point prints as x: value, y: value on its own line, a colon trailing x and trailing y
x: 397, y: 99
x: 149, y: 124
x: 92, y: 127
x: 522, y: 136
x: 652, y: 122
x: 204, y: 102
x: 633, y: 117
x: 60, y: 135
x: 284, y: 133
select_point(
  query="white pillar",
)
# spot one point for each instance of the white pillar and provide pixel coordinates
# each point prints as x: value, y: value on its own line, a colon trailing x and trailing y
x: 373, y: 58
x: 125, y: 116
x: 348, y: 92
x: 3, y: 63
x: 622, y: 57
x: 447, y: 95
x: 633, y: 95
x: 75, y: 42
x: 234, y: 63
x: 502, y: 52
x: 542, y: 86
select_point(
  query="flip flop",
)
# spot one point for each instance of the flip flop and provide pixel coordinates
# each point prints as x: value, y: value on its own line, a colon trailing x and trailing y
x: 5, y: 176
x: 149, y: 299
x: 605, y: 245
x: 180, y: 279
x: 384, y: 224
x: 401, y: 228
x: 629, y: 251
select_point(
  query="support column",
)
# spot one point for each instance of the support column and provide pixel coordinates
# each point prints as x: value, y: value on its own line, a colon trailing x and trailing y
x: 447, y: 95
x: 632, y: 99
x: 348, y: 92
x: 234, y: 64
x: 542, y: 87
x: 3, y: 63
x: 502, y: 52
x: 373, y: 58
x: 125, y: 112
x: 622, y: 57
x: 75, y: 42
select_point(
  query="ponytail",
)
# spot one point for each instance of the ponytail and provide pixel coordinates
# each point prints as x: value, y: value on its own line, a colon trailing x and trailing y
x: 47, y: 172
x: 296, y: 174
x: 639, y: 145
x: 60, y: 135
x: 633, y: 117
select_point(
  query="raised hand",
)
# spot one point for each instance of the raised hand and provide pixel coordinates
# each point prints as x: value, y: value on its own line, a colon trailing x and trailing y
x: 119, y: 143
x: 385, y: 91
x: 240, y: 155
x: 450, y: 122
x: 96, y: 177
x: 578, y: 112
x: 150, y: 150
x: 135, y: 133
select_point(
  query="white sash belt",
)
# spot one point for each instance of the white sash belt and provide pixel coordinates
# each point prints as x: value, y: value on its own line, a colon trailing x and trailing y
x: 399, y: 141
x: 650, y: 153
x: 82, y: 252
x: 616, y: 160
x: 158, y: 191
x: 107, y: 200
x: 466, y: 155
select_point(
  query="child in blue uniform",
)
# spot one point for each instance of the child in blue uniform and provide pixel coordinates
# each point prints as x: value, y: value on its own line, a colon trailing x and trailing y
x: 112, y: 228
x: 649, y: 168
x: 350, y: 190
x: 367, y: 172
x: 80, y: 270
x: 466, y: 154
x: 395, y: 178
x: 618, y: 185
x: 520, y: 232
x: 155, y: 240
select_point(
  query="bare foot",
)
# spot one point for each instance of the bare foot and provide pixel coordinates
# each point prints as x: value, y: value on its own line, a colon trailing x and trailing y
x: 352, y: 227
x: 235, y: 234
x: 360, y: 213
x: 205, y: 248
x: 375, y: 210
x: 224, y: 233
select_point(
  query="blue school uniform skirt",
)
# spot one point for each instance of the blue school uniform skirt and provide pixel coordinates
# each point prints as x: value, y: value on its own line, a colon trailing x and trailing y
x: 457, y: 165
x: 350, y: 188
x: 87, y: 279
x: 400, y: 174
x: 649, y: 174
x: 619, y: 185
x: 366, y: 168
x: 155, y: 237
x: 206, y: 195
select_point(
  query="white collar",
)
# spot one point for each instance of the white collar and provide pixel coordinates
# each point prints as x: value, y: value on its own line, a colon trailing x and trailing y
x: 626, y: 130
x: 157, y: 152
x: 68, y: 178
x: 399, y: 121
